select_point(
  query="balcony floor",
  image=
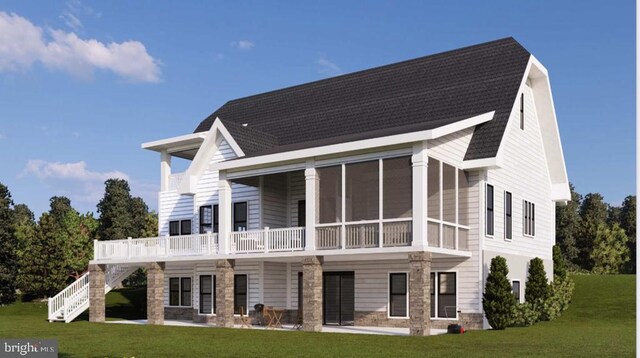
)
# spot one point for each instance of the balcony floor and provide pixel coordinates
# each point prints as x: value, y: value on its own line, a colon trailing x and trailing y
x: 388, y: 331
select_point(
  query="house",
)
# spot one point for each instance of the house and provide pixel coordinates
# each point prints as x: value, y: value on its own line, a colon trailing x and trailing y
x: 376, y: 198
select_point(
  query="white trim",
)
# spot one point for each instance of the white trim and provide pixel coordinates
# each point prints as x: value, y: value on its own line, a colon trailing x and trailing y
x: 213, y: 294
x: 389, y: 273
x: 171, y: 143
x: 491, y: 163
x: 260, y: 283
x: 358, y: 145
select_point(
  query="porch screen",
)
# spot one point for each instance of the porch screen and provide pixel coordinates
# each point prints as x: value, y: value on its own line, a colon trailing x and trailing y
x: 463, y: 197
x: 433, y: 189
x: 330, y: 194
x: 362, y: 191
x: 448, y: 193
x: 396, y: 188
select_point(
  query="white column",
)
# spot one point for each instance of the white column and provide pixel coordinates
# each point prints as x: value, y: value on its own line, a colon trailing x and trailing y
x: 165, y: 170
x: 311, y: 197
x: 419, y: 162
x: 224, y: 212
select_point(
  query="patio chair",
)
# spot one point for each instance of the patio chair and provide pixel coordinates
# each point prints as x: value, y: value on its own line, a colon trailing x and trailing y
x: 267, y: 313
x: 244, y: 319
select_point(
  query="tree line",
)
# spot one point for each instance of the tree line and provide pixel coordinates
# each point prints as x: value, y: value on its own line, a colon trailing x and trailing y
x: 38, y: 258
x: 597, y: 237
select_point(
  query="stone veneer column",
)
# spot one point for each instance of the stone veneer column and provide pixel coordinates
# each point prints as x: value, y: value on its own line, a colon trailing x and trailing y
x: 419, y: 293
x: 155, y: 293
x: 312, y: 293
x: 96, y: 293
x: 224, y: 293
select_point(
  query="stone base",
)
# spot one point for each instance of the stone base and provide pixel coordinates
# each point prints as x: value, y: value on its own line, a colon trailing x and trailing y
x: 289, y: 316
x: 470, y: 321
x: 178, y: 313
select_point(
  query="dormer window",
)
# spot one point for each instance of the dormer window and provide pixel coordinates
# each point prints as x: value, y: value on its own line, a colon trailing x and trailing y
x: 522, y: 111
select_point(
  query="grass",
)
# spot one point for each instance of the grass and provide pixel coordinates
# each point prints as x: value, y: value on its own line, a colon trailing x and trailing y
x: 600, y: 322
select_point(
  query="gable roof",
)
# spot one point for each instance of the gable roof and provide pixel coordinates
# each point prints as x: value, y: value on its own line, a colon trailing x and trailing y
x: 419, y: 94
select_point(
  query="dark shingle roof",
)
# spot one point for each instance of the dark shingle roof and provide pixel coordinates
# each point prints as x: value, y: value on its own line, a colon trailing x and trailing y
x: 418, y: 94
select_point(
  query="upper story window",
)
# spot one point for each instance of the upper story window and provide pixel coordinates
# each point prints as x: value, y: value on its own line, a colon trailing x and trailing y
x: 522, y: 111
x: 529, y: 218
x: 489, y: 214
x: 508, y: 216
x: 208, y: 219
x: 240, y: 216
x: 179, y: 227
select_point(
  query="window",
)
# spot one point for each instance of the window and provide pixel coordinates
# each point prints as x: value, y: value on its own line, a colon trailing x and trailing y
x: 208, y: 219
x: 240, y: 216
x: 239, y: 293
x: 508, y: 223
x: 489, y: 215
x: 443, y: 295
x: 362, y: 197
x: 398, y: 295
x: 529, y: 218
x: 207, y: 294
x: 179, y: 227
x: 515, y: 285
x: 180, y: 291
x: 330, y: 194
x: 522, y: 111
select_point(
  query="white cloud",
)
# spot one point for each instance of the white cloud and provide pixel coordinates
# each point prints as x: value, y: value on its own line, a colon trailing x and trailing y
x: 82, y: 185
x: 72, y: 13
x: 243, y: 44
x: 74, y: 171
x: 22, y: 44
x: 328, y: 68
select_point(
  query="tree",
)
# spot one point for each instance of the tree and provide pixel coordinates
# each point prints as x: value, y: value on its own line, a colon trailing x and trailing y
x: 81, y: 230
x: 610, y: 250
x: 25, y: 230
x: 150, y: 225
x: 568, y: 227
x: 498, y: 300
x: 8, y: 247
x: 593, y: 213
x: 537, y: 289
x: 121, y: 215
x: 559, y: 264
x: 628, y: 223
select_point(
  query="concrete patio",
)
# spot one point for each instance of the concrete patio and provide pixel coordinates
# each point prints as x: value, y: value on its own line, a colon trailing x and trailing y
x: 389, y: 331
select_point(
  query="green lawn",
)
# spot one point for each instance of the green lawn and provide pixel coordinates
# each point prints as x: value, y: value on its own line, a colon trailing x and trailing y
x: 600, y: 322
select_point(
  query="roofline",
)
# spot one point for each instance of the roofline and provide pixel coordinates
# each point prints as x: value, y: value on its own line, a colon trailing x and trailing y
x: 173, y: 143
x: 356, y: 145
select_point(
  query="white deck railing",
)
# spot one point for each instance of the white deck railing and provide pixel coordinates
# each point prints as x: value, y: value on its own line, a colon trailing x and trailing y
x: 166, y: 246
x: 268, y: 240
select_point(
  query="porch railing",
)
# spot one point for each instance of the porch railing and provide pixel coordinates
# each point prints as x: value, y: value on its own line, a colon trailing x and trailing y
x: 166, y: 246
x: 395, y: 232
x: 268, y: 240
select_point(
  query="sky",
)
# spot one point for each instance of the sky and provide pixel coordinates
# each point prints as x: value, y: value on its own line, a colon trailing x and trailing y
x: 84, y: 83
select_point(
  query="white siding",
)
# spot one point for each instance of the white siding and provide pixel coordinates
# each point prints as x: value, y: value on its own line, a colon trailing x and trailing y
x: 452, y: 147
x: 178, y: 269
x: 525, y: 175
x: 274, y: 201
x: 173, y: 207
x: 275, y: 284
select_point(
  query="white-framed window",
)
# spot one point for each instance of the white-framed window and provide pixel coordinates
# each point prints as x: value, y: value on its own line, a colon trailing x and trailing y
x: 207, y: 294
x: 515, y: 286
x: 180, y: 227
x: 209, y: 219
x: 240, y: 216
x: 444, y: 295
x: 508, y: 216
x: 529, y: 218
x: 240, y: 293
x: 489, y: 216
x: 399, y: 294
x: 180, y: 291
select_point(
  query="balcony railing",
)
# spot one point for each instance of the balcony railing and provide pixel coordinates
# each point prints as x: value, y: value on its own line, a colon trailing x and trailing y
x: 167, y: 246
x: 395, y: 232
x: 268, y: 240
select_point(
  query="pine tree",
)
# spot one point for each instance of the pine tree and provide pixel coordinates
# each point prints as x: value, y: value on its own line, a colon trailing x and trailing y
x: 8, y: 247
x: 559, y: 264
x: 25, y: 229
x: 568, y: 227
x: 593, y: 212
x: 498, y: 300
x: 610, y: 251
x: 537, y: 289
x: 628, y: 223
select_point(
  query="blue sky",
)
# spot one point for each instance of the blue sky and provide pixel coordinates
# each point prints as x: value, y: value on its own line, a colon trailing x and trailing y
x: 84, y: 83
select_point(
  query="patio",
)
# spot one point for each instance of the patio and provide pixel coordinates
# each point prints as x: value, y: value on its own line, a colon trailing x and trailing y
x: 388, y: 331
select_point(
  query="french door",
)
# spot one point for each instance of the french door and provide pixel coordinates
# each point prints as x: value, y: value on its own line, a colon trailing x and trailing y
x: 338, y: 298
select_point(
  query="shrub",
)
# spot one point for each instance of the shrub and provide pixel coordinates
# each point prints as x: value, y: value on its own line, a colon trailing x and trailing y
x: 559, y: 264
x: 561, y: 290
x: 524, y: 315
x: 498, y: 300
x: 537, y: 284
